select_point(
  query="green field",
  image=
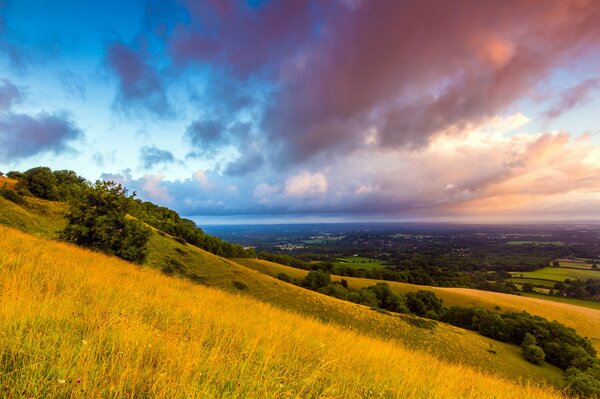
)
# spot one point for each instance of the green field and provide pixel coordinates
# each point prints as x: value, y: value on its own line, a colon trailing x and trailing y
x: 558, y: 274
x: 571, y: 301
x: 359, y: 262
x: 536, y: 282
x: 575, y: 265
x: 557, y: 243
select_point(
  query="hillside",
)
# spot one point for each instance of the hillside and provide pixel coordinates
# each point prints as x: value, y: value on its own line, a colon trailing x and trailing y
x: 81, y: 324
x: 585, y: 320
x: 447, y: 342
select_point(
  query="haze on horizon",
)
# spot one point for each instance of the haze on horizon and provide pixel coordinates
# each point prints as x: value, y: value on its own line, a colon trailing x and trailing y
x: 347, y: 110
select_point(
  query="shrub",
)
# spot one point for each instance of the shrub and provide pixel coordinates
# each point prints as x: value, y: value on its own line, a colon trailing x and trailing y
x: 239, y: 285
x: 334, y: 290
x: 424, y: 303
x: 527, y: 287
x: 98, y: 220
x: 364, y: 297
x: 584, y: 383
x: 284, y: 277
x: 41, y: 182
x: 316, y: 279
x: 12, y: 196
x: 534, y: 354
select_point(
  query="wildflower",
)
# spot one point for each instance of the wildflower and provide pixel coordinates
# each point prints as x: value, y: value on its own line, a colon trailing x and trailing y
x: 78, y: 380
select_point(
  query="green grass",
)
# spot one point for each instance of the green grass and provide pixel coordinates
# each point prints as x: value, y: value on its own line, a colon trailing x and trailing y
x: 557, y: 243
x: 576, y: 265
x: 560, y: 299
x: 558, y: 274
x: 536, y: 282
x: 359, y: 262
x: 38, y: 217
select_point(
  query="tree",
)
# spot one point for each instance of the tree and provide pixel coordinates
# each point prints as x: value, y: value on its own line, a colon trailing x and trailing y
x: 41, y: 182
x: 424, y: 303
x: 316, y: 279
x: 595, y: 266
x: 534, y: 354
x: 527, y: 287
x: 98, y: 220
x: 556, y: 263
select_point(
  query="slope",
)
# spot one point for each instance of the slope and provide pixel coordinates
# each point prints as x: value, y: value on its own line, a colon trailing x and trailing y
x: 81, y: 324
x: 584, y: 320
x: 447, y: 342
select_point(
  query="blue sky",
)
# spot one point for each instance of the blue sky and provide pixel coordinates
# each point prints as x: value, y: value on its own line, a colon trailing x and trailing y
x: 311, y: 110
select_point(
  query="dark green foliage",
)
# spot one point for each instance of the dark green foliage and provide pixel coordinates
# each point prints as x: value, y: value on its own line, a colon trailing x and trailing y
x: 364, y: 297
x: 534, y: 354
x: 284, y: 260
x: 239, y: 285
x: 98, y: 220
x: 584, y: 383
x: 185, y: 230
x: 386, y: 299
x: 12, y: 195
x: 581, y: 289
x: 334, y: 290
x: 562, y: 346
x: 316, y: 279
x: 69, y: 185
x: 527, y: 287
x: 41, y: 182
x: 15, y: 175
x: 284, y: 277
x: 424, y: 303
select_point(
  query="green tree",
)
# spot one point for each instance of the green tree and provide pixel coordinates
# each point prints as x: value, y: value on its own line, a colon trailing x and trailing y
x: 41, y: 182
x: 527, y: 287
x: 316, y: 279
x: 424, y: 303
x: 98, y: 220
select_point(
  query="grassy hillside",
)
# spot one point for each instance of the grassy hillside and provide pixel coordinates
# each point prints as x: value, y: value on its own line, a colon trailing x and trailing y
x: 80, y: 324
x: 447, y: 342
x: 559, y: 273
x: 585, y: 320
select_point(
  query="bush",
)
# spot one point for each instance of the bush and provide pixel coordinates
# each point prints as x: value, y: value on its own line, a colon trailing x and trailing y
x: 98, y: 220
x: 239, y: 285
x: 284, y: 277
x: 41, y: 182
x: 527, y: 287
x: 316, y: 279
x: 424, y: 303
x: 364, y: 297
x: 534, y: 354
x: 334, y: 290
x: 12, y: 196
x: 584, y: 383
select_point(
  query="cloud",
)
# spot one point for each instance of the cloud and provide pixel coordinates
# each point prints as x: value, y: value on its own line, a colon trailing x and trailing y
x: 23, y: 135
x: 571, y: 98
x: 9, y: 95
x: 140, y: 85
x: 151, y: 156
x: 247, y: 163
x: 206, y: 135
x: 305, y: 184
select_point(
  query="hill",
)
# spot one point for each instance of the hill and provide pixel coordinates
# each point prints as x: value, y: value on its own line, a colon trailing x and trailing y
x: 584, y: 320
x: 450, y: 343
x: 81, y: 324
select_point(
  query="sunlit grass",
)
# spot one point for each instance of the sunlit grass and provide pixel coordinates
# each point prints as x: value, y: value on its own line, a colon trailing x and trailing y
x: 80, y: 324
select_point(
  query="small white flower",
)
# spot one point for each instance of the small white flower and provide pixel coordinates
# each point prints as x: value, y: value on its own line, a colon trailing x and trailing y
x: 61, y: 381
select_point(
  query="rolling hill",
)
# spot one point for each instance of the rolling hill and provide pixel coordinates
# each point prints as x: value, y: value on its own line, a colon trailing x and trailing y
x: 77, y: 323
x: 585, y: 320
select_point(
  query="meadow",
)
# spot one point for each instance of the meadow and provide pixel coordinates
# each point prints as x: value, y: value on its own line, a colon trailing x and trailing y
x: 81, y: 324
x: 359, y: 262
x: 558, y: 274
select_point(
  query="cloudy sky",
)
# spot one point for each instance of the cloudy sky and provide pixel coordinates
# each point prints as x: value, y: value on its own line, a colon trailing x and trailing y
x: 305, y: 110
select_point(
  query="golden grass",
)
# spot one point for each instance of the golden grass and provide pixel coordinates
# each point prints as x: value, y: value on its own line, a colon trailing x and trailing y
x: 81, y: 324
x: 585, y: 320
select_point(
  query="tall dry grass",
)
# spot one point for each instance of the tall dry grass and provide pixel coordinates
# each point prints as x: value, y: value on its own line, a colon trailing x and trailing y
x: 79, y: 324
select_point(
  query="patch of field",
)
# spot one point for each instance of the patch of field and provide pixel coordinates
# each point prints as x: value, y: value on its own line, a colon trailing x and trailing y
x: 76, y: 323
x: 39, y: 217
x: 585, y: 320
x: 558, y: 274
x: 572, y: 301
x: 536, y: 282
x: 557, y: 243
x: 359, y: 262
x: 576, y: 265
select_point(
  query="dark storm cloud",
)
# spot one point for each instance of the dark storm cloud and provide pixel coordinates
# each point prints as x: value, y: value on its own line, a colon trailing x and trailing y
x: 9, y: 95
x: 140, y: 85
x: 23, y: 135
x: 150, y: 156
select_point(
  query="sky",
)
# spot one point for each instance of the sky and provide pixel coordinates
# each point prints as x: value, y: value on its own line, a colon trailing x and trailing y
x: 325, y: 110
